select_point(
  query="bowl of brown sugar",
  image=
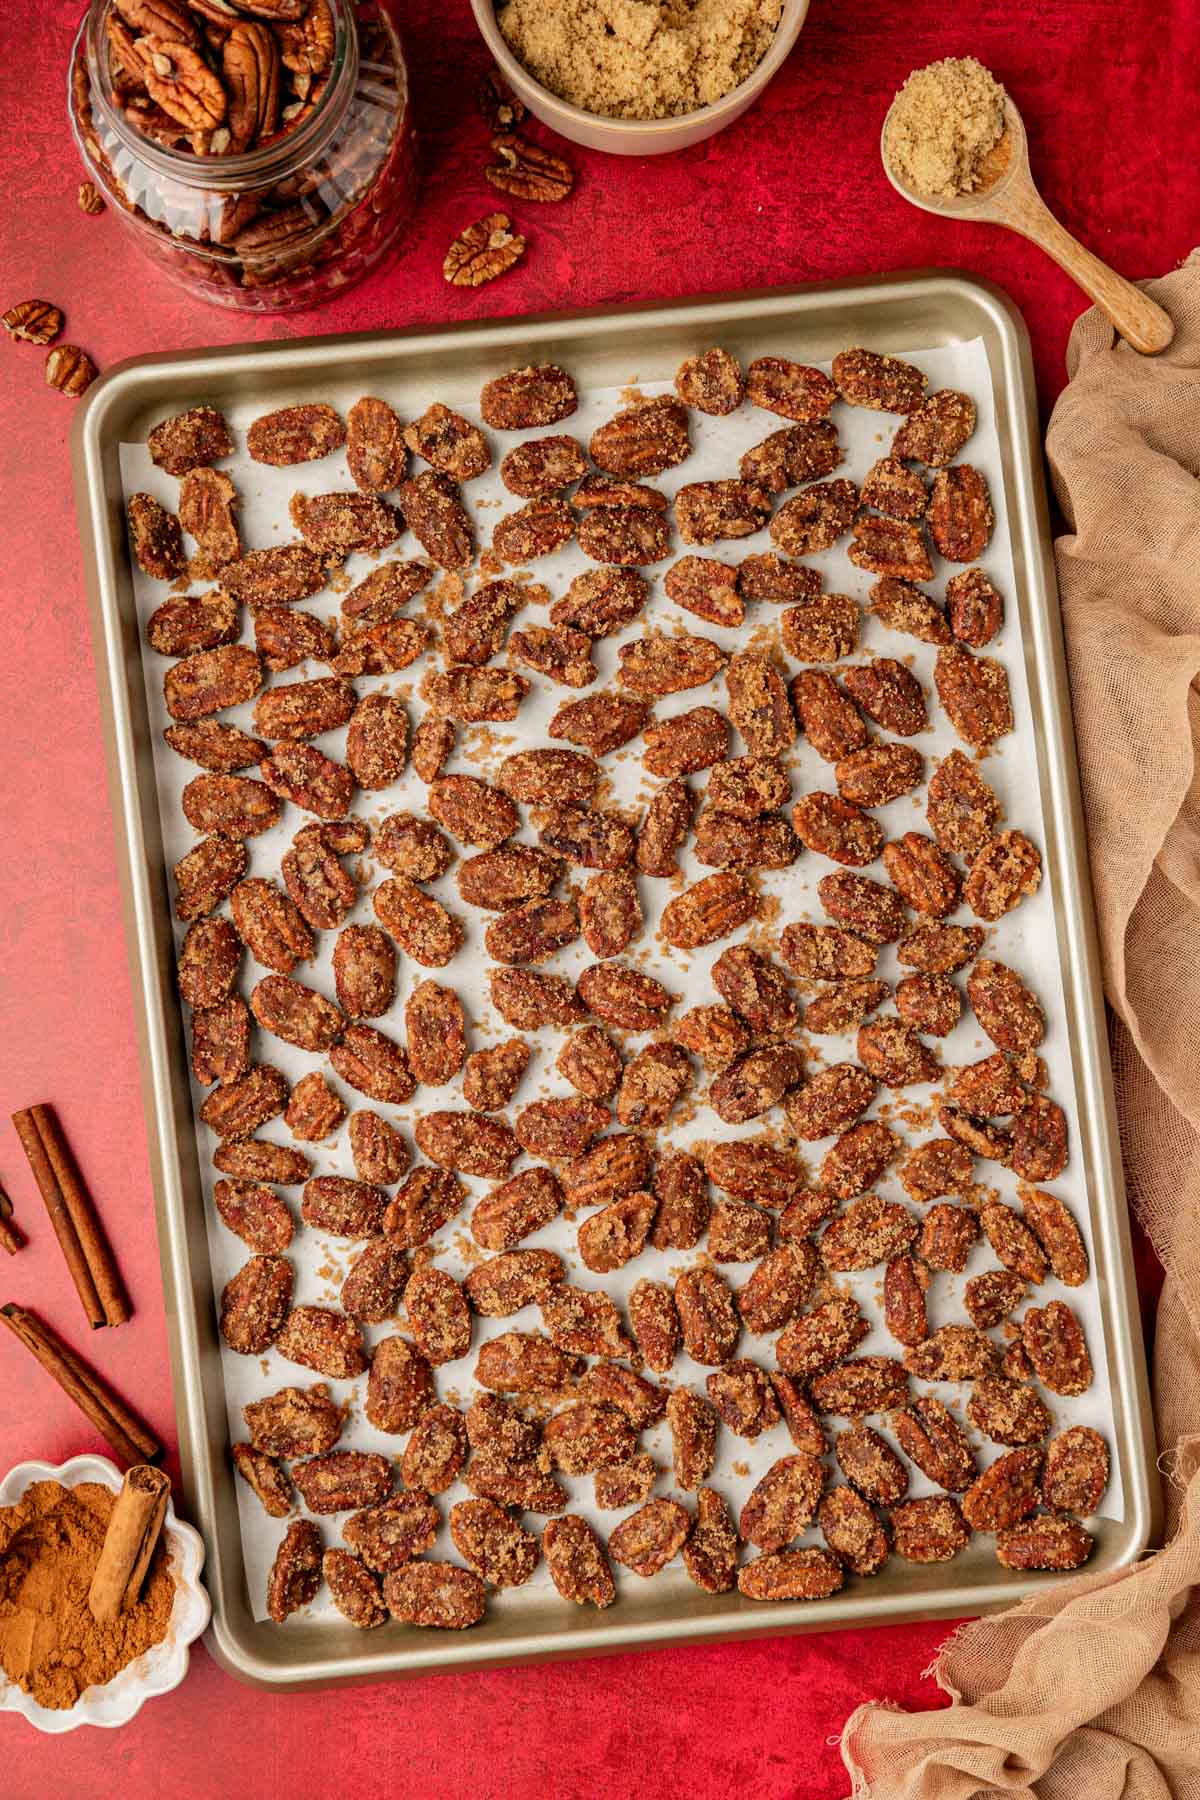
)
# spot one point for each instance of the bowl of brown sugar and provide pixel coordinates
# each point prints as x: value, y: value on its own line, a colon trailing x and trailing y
x: 61, y: 1665
x: 638, y: 77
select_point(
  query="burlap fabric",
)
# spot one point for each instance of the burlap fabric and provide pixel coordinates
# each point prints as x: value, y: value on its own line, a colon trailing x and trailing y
x: 1092, y: 1691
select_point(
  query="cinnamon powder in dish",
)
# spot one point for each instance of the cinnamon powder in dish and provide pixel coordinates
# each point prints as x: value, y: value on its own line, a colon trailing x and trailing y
x: 50, y: 1645
x: 639, y: 59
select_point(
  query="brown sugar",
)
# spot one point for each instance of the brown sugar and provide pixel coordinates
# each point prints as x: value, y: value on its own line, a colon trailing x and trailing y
x: 944, y: 122
x: 50, y: 1644
x: 640, y: 59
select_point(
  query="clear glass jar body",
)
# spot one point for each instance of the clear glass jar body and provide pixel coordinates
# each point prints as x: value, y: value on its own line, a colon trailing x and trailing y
x: 286, y: 224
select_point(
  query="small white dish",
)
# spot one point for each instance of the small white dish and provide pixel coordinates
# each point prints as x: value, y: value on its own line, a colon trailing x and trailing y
x: 164, y: 1665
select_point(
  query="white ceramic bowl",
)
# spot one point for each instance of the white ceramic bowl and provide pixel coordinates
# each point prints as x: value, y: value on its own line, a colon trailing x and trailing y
x: 638, y: 137
x: 163, y: 1666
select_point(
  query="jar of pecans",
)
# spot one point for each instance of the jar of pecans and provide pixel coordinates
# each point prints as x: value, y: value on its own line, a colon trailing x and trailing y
x: 260, y: 152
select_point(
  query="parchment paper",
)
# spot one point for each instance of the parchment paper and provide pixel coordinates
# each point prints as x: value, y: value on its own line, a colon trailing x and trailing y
x: 1026, y: 938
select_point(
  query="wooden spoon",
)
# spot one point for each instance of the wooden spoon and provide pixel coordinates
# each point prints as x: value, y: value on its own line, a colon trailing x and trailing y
x: 1007, y: 196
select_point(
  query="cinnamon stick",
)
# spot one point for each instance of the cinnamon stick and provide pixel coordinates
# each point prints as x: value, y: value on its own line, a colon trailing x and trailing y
x: 133, y: 1531
x: 10, y: 1238
x: 120, y: 1428
x: 73, y: 1214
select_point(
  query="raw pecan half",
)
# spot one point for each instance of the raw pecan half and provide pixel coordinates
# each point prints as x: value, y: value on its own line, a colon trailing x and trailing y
x: 485, y: 249
x: 528, y: 171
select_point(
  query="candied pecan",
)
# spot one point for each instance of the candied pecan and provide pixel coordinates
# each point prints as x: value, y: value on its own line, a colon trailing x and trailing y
x: 527, y: 397
x: 504, y: 878
x: 207, y: 504
x: 932, y: 1439
x: 295, y: 1573
x: 904, y: 1285
x: 930, y: 1530
x: 893, y: 1053
x: 809, y: 1574
x: 738, y: 1232
x: 527, y: 999
x: 713, y: 1033
x: 314, y: 1111
x: 833, y: 827
x: 866, y: 907
x: 364, y: 969
x: 655, y: 1322
x: 599, y: 723
x: 976, y: 608
x: 756, y: 989
x: 617, y: 1233
x: 783, y: 1503
x: 521, y: 1362
x: 187, y: 440
x: 210, y: 680
x: 707, y: 511
x: 816, y: 518
x: 319, y: 887
x: 1044, y: 1544
x: 852, y: 1531
x: 373, y: 1065
x: 628, y: 536
x: 516, y: 1209
x: 583, y: 1323
x: 1058, y: 1234
x: 432, y: 745
x: 975, y: 694
x: 831, y: 1100
x: 936, y: 1168
x: 436, y: 515
x: 744, y: 1398
x: 375, y: 1283
x: 871, y: 1465
x: 890, y: 694
x: 647, y: 1540
x: 643, y: 439
x: 475, y: 696
x: 301, y: 774
x: 610, y: 1384
x: 1039, y: 1139
x: 284, y: 639
x: 991, y: 1297
x: 577, y: 1563
x: 870, y: 1231
x: 304, y: 709
x: 558, y: 651
x: 890, y: 547
x: 419, y: 923
x: 711, y: 381
x: 346, y: 1208
x: 469, y: 1142
x: 1054, y: 1343
x: 400, y: 1385
x: 978, y: 1136
x: 652, y: 1083
x: 629, y: 1484
x: 598, y: 603
x: 381, y: 648
x: 435, y: 1594
x: 683, y: 1202
x: 208, y: 962
x: 1013, y: 1242
x: 612, y: 490
x: 438, y: 1315
x: 447, y: 441
x: 180, y: 627
x: 826, y: 953
x: 341, y: 1479
x: 902, y: 607
x: 536, y: 529
x: 962, y: 809
x: 1007, y: 1410
x: 474, y: 631
x: 559, y: 1128
x: 276, y: 577
x: 496, y: 1428
x: 707, y: 1317
x: 241, y: 1106
x: 408, y: 845
x: 708, y: 588
x: 792, y: 389
x: 686, y: 743
x: 504, y: 1284
x: 1007, y: 869
x: 844, y: 1006
x: 924, y: 875
x: 334, y: 525
x: 492, y: 1077
x: 710, y: 909
x: 821, y: 630
x: 796, y: 454
x: 588, y: 1436
x: 892, y: 489
x: 353, y: 1589
x: 376, y: 741
x: 610, y: 912
x: 254, y: 1214
x: 769, y: 577
x: 863, y: 1384
x: 653, y: 666
x: 546, y: 466
x: 222, y: 748
x: 936, y: 430
x: 221, y: 1042
x: 1006, y: 1492
x: 829, y: 719
x: 725, y: 841
x: 990, y: 1088
x: 1007, y: 1010
x: 587, y: 837
x: 953, y: 1353
x: 754, y: 1083
x: 961, y: 521
x: 816, y: 1340
x: 548, y: 777
x: 326, y: 1341
x: 1075, y: 1473
x: 883, y: 383
x: 476, y: 814
x: 437, y: 1043
x: 748, y: 786
x: 591, y: 1063
x: 758, y: 704
x: 624, y: 997
x: 155, y: 537
x: 804, y: 1212
x: 929, y: 1003
x: 297, y: 1014
x: 295, y: 434
x: 710, y: 1554
x: 778, y: 1287
x: 946, y: 1237
x: 664, y: 829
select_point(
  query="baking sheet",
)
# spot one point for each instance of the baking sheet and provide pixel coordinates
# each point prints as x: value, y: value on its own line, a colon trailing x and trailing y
x: 1026, y: 939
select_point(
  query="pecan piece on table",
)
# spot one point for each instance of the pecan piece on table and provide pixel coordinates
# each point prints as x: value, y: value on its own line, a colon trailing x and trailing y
x: 528, y: 171
x: 483, y: 250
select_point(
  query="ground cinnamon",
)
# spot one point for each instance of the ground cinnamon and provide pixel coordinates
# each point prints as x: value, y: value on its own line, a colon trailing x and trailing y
x: 50, y: 1645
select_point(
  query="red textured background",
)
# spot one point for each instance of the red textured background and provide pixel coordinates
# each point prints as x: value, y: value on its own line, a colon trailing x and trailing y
x: 792, y: 193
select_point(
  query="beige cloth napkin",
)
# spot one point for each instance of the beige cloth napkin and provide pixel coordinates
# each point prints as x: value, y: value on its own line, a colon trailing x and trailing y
x: 1091, y: 1691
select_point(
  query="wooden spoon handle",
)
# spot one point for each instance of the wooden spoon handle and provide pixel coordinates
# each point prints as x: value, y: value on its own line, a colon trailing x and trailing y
x: 1140, y: 320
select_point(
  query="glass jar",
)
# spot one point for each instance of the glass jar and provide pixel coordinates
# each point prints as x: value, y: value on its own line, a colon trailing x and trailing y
x: 319, y: 201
